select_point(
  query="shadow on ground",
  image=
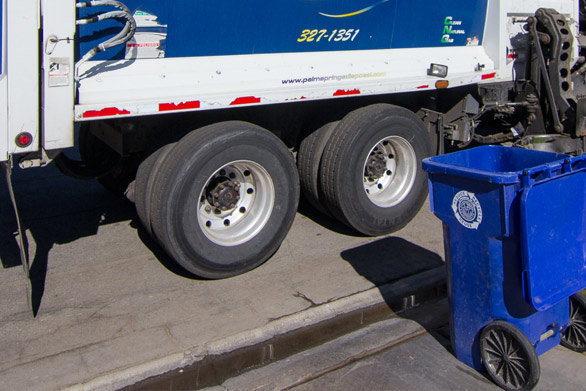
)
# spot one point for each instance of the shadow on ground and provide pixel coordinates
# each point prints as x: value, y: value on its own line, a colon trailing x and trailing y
x: 396, y: 260
x: 328, y: 222
x: 390, y: 259
x: 54, y: 210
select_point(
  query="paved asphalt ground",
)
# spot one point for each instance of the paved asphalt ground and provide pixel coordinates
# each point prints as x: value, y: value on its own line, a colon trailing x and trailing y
x: 111, y: 309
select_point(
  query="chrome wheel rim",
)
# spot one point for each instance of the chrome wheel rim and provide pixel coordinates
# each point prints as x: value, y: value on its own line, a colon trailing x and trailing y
x: 389, y: 171
x: 236, y: 203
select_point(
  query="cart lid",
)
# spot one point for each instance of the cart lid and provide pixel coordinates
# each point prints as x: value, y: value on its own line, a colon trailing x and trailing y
x: 553, y: 238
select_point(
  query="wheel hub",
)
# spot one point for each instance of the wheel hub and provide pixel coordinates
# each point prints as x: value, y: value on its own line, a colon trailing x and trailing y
x: 376, y: 166
x: 390, y: 170
x: 223, y: 193
x: 236, y: 203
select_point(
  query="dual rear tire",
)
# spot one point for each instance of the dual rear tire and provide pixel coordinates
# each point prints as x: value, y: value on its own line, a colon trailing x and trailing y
x: 366, y: 170
x: 221, y: 200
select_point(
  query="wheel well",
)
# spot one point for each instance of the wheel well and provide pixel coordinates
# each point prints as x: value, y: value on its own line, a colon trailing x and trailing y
x: 291, y: 121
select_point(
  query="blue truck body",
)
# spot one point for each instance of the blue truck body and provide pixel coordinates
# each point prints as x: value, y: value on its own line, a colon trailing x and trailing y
x: 230, y: 27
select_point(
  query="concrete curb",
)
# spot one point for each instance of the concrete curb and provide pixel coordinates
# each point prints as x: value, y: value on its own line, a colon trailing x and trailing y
x: 297, y: 321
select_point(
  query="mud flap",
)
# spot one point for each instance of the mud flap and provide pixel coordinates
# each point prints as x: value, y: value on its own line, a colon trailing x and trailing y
x: 7, y: 168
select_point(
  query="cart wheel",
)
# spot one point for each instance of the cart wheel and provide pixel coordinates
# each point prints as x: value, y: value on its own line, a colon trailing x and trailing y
x: 574, y: 337
x: 508, y: 356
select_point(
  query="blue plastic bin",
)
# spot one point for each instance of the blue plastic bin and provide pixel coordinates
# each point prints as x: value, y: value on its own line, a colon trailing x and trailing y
x: 515, y: 241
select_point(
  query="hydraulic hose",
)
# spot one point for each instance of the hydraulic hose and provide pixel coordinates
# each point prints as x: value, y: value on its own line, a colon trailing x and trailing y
x: 121, y: 38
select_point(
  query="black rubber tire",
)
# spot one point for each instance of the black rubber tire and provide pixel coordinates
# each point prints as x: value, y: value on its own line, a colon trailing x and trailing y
x: 342, y: 168
x: 574, y: 337
x: 509, y: 357
x: 143, y: 186
x: 309, y: 157
x: 182, y: 177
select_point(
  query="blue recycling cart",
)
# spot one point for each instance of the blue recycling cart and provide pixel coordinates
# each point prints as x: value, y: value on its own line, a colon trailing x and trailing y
x: 514, y: 223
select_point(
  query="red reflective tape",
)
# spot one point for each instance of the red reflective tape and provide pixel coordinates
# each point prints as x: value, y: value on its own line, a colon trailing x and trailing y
x: 245, y: 100
x: 513, y: 56
x: 489, y: 76
x: 347, y: 92
x: 179, y: 106
x: 107, y: 112
x: 422, y: 87
x: 142, y: 45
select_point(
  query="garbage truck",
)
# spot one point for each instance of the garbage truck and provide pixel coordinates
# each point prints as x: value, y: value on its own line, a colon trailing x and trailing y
x: 213, y: 117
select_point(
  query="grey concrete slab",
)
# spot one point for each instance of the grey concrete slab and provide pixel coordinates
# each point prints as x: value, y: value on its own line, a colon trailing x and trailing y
x: 396, y: 354
x: 112, y: 309
x: 299, y: 368
x: 424, y: 365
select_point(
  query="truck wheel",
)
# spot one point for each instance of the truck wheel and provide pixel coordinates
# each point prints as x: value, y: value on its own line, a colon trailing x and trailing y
x: 308, y: 163
x: 371, y: 175
x: 509, y: 357
x: 574, y: 337
x: 224, y: 199
x: 144, y: 184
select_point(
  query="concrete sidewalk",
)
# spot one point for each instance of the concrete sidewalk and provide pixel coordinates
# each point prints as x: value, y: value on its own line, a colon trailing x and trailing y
x: 396, y: 354
x: 112, y: 309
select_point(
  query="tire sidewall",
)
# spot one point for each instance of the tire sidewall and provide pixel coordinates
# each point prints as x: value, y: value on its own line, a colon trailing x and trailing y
x: 358, y: 209
x: 183, y: 236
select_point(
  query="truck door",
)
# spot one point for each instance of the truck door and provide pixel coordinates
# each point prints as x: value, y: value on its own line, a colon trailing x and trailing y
x: 58, y: 68
x: 19, y: 82
x: 3, y: 87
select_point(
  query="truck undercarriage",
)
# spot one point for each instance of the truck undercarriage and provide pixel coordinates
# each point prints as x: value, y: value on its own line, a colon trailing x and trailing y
x: 215, y: 150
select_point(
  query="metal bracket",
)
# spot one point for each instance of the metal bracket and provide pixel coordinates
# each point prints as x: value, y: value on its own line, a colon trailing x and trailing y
x: 22, y: 243
x: 541, y: 64
x: 36, y: 159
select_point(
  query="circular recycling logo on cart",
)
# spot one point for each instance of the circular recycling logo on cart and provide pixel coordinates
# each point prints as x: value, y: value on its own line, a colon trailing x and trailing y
x: 467, y: 209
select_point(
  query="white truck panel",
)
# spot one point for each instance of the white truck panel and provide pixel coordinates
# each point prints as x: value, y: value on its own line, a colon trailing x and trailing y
x: 568, y: 7
x: 58, y: 65
x: 146, y: 86
x: 3, y: 118
x: 3, y: 90
x: 22, y: 67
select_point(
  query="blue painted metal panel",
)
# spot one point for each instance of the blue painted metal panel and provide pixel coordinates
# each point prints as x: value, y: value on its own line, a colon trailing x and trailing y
x: 198, y: 28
